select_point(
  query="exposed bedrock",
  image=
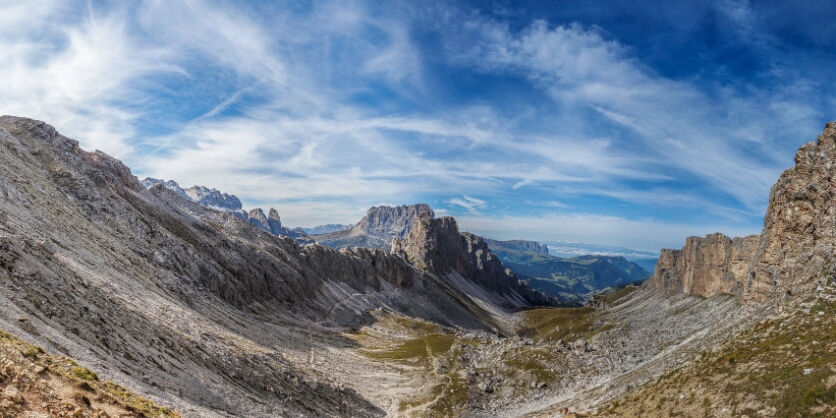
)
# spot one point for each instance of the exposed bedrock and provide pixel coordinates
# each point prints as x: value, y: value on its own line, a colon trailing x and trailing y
x: 793, y: 255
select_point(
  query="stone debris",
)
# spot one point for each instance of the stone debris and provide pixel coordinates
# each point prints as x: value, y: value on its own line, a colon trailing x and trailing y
x: 12, y: 393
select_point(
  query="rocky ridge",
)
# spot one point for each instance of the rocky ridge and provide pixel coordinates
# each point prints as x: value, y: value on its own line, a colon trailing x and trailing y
x: 199, y: 194
x: 793, y: 255
x: 191, y: 306
x: 214, y: 199
x: 378, y: 228
x: 437, y: 245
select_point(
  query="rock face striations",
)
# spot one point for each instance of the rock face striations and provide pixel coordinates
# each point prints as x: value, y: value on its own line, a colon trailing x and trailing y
x: 378, y: 228
x: 706, y: 266
x: 793, y: 255
x: 186, y: 304
x: 438, y: 246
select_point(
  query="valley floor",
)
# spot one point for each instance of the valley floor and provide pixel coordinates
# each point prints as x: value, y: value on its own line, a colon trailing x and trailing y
x: 579, y: 359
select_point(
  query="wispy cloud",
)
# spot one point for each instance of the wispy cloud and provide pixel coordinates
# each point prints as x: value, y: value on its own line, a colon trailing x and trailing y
x: 471, y: 204
x: 324, y: 110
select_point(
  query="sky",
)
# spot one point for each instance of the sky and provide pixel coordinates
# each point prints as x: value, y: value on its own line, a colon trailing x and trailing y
x: 630, y: 123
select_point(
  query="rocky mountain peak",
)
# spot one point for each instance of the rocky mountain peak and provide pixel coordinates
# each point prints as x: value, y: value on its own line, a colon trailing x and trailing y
x: 793, y: 255
x: 274, y: 215
x: 388, y: 220
x: 436, y: 245
x: 378, y: 228
x: 199, y: 194
x: 257, y: 218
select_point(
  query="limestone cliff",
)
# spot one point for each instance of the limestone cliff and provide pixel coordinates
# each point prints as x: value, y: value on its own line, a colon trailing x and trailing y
x: 792, y: 256
x: 437, y: 245
x: 796, y: 251
x: 705, y: 266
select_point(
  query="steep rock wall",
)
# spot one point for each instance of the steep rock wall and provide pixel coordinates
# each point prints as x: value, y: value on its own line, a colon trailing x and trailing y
x: 793, y: 255
x: 705, y: 266
x: 438, y: 246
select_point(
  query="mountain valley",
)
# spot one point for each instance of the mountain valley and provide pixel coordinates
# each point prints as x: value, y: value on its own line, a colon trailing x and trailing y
x: 193, y: 307
x: 572, y: 279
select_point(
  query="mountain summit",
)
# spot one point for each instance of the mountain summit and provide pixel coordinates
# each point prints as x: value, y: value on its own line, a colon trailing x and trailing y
x: 793, y: 256
x: 378, y: 228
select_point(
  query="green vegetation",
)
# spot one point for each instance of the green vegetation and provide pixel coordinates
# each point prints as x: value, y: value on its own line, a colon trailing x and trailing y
x: 571, y: 278
x: 72, y: 373
x: 785, y: 364
x: 562, y: 323
x: 84, y: 373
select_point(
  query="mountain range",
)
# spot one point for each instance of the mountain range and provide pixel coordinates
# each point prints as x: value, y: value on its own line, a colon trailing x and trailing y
x: 378, y: 228
x: 118, y: 299
x: 572, y: 279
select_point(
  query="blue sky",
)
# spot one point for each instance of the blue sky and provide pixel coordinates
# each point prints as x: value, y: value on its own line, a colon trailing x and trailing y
x: 609, y: 122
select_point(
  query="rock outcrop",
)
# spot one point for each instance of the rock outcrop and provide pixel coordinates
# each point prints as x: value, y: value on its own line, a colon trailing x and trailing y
x: 189, y: 305
x: 438, y: 246
x: 378, y: 228
x: 793, y: 255
x: 706, y: 266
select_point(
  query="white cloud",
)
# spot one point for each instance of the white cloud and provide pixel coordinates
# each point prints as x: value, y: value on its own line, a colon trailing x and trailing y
x: 471, y: 204
x: 676, y: 125
x: 78, y: 72
x: 640, y: 234
x: 276, y: 118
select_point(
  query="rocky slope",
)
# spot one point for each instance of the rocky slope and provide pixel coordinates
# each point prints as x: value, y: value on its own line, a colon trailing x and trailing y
x: 194, y: 307
x: 377, y: 229
x: 784, y: 366
x: 517, y: 245
x: 36, y: 384
x: 793, y: 255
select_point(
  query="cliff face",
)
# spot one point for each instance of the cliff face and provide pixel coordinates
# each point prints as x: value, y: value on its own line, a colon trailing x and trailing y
x: 796, y: 251
x: 378, y: 228
x: 438, y: 246
x: 705, y: 266
x: 178, y: 300
x: 792, y: 256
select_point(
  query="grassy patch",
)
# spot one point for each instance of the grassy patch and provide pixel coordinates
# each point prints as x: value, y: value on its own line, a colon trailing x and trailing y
x: 561, y: 323
x: 782, y: 364
x: 79, y: 376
